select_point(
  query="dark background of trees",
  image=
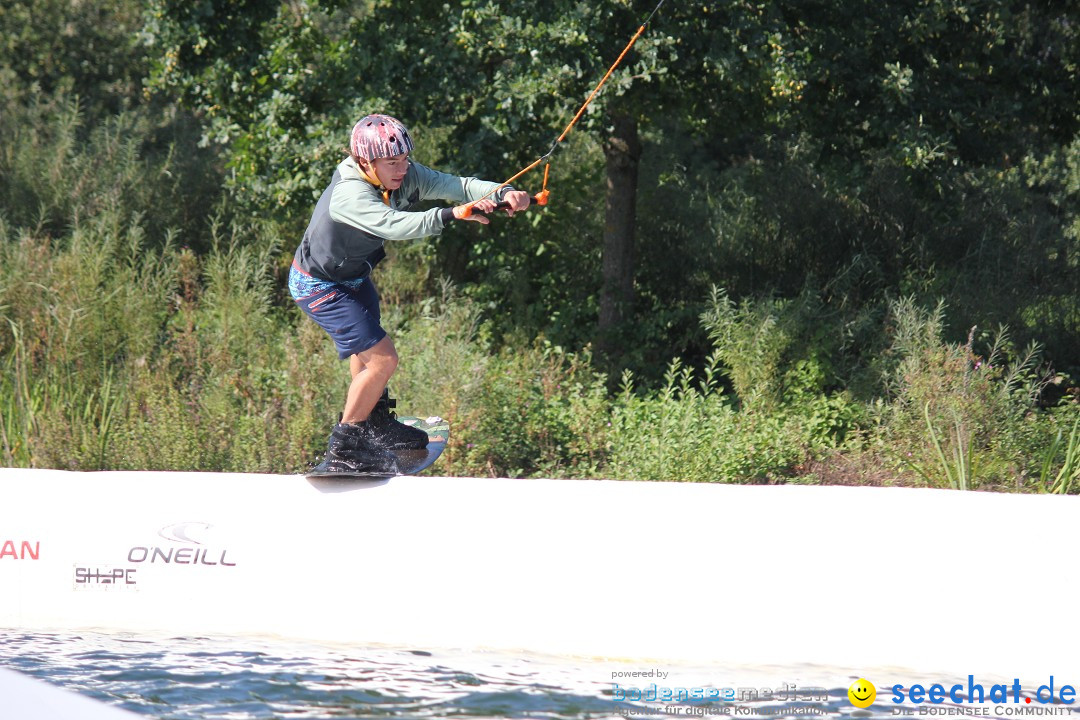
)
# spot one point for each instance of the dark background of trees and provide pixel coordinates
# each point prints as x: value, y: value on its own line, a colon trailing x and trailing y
x: 855, y: 151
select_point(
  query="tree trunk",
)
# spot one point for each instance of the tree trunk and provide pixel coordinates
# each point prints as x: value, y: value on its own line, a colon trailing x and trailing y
x: 622, y: 150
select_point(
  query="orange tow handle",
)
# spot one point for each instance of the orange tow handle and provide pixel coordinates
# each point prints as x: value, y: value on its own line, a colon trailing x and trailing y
x: 540, y: 198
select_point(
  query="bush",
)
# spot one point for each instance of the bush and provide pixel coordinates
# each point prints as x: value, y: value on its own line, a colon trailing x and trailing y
x: 689, y: 431
x: 956, y: 417
x: 531, y: 411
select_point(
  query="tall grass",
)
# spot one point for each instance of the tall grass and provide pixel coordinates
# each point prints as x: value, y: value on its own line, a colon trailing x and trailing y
x: 134, y: 338
x: 963, y: 417
x: 1067, y: 478
x: 119, y: 355
x: 120, y: 348
x: 534, y: 410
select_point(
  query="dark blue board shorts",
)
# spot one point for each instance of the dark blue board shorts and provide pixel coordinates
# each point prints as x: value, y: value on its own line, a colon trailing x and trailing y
x: 348, y: 312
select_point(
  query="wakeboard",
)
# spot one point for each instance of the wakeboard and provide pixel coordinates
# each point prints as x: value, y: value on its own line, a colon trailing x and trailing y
x: 410, y: 462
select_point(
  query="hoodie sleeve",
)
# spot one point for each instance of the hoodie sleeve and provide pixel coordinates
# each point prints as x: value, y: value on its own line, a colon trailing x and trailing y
x: 358, y: 204
x: 435, y: 185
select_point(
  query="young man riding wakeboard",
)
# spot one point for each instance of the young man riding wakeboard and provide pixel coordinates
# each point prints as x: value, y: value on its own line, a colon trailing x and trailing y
x: 366, y: 204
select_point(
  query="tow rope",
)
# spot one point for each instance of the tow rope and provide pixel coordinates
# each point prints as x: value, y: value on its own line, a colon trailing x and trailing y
x: 541, y: 198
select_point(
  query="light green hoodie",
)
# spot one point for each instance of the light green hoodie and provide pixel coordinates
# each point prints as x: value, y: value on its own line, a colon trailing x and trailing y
x: 351, y: 221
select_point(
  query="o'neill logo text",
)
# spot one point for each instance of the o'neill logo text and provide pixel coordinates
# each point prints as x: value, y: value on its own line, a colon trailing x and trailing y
x: 20, y: 550
x: 191, y: 535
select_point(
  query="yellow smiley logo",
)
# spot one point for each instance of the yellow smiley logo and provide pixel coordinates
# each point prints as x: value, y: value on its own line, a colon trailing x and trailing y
x: 862, y: 693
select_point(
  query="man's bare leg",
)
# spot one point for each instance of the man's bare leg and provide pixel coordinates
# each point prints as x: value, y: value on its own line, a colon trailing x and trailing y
x: 371, y: 371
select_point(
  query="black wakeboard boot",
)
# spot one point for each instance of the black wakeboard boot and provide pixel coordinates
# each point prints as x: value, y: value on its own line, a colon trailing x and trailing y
x: 393, y: 434
x: 354, y: 447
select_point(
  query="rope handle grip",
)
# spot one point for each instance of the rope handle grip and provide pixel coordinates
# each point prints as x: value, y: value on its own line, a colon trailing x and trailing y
x: 540, y: 198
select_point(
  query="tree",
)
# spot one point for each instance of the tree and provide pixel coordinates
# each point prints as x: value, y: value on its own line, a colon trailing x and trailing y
x: 87, y: 49
x: 486, y: 75
x: 846, y: 132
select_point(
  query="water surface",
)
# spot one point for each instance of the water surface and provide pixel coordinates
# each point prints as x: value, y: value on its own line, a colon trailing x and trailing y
x: 200, y: 678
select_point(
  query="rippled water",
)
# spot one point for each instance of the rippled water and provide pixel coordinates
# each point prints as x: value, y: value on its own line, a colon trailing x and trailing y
x: 239, y: 679
x: 247, y: 679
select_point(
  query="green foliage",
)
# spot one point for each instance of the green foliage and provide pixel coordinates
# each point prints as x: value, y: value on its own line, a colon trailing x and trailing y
x: 783, y: 354
x: 91, y: 50
x: 816, y: 161
x: 790, y: 139
x: 959, y: 415
x: 778, y: 365
x: 751, y: 343
x: 535, y: 410
x: 961, y: 469
x: 282, y: 86
x: 1069, y: 473
x: 691, y: 432
x: 122, y: 356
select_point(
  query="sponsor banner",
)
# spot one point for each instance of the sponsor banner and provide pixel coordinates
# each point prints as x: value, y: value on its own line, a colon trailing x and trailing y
x: 104, y: 577
x: 185, y: 545
x: 19, y: 549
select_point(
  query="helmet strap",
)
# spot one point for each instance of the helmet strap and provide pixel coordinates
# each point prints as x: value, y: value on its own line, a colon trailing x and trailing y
x: 373, y: 178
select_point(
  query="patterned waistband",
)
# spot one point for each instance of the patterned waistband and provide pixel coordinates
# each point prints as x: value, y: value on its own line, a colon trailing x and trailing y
x: 303, y: 284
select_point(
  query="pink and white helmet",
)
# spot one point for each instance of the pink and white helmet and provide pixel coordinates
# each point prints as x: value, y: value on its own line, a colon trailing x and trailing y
x: 379, y: 136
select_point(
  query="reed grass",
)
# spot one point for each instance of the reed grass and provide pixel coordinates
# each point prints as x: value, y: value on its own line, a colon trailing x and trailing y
x: 133, y: 336
x: 1068, y: 475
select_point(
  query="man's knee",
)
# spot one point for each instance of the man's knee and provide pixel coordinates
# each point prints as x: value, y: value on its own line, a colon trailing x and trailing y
x: 383, y: 358
x: 389, y: 364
